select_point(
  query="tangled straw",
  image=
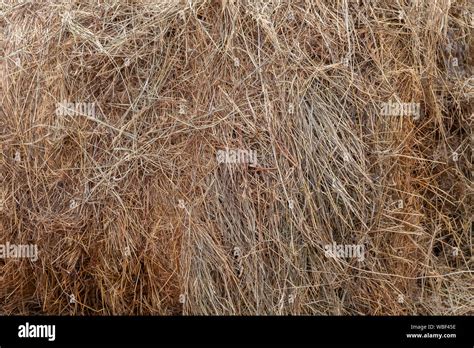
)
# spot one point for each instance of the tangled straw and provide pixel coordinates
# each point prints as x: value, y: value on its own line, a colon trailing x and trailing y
x: 131, y: 211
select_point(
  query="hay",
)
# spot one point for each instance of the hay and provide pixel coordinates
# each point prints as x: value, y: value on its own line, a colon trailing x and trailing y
x: 132, y: 213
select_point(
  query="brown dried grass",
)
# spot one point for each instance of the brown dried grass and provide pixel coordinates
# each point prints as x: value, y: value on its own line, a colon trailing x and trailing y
x: 262, y: 75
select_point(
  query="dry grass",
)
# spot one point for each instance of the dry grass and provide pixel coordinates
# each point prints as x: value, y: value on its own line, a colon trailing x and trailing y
x: 300, y: 83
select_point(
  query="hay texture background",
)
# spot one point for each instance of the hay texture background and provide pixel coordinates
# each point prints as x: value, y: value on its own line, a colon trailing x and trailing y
x: 132, y: 213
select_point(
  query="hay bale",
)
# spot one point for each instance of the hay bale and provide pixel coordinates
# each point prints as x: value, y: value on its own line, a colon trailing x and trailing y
x: 237, y: 157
